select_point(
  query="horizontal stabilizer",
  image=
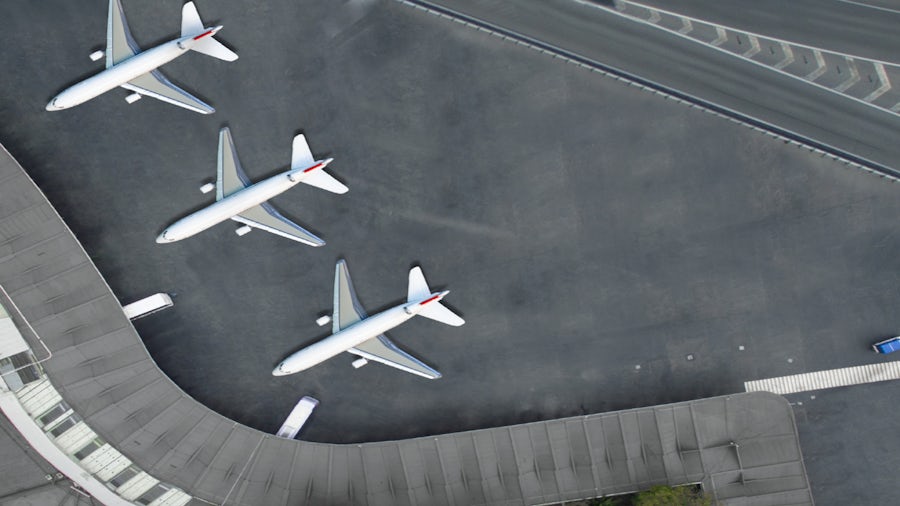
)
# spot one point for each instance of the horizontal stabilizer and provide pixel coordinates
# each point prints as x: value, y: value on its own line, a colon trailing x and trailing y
x: 211, y: 47
x: 418, y: 287
x: 437, y: 311
x: 321, y: 179
x: 190, y: 20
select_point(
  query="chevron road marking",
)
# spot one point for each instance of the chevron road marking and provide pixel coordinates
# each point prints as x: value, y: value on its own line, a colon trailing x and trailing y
x: 883, y: 79
x: 788, y: 56
x: 722, y: 37
x: 820, y: 61
x: 853, y: 79
x: 754, y: 47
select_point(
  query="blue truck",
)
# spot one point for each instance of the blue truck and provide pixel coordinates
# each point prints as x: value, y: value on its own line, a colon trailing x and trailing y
x: 887, y: 346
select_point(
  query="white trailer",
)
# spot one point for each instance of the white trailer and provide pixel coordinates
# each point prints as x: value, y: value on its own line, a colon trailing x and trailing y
x: 297, y: 418
x: 148, y: 305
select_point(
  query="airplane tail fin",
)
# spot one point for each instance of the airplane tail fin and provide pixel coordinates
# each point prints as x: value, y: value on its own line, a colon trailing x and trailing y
x: 418, y: 287
x: 418, y: 290
x: 190, y: 20
x: 301, y: 158
x: 191, y: 24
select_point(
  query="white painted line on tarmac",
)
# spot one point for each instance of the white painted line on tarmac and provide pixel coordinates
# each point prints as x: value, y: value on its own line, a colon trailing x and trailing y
x: 654, y: 16
x: 621, y: 6
x: 831, y: 378
x: 863, y: 4
x: 820, y: 61
x: 853, y: 79
x: 722, y: 37
x: 686, y: 27
x: 788, y: 56
x: 754, y: 46
x: 885, y: 83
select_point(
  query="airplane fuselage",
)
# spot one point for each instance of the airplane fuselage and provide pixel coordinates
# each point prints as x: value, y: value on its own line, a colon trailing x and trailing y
x: 352, y: 336
x: 125, y: 71
x: 235, y: 204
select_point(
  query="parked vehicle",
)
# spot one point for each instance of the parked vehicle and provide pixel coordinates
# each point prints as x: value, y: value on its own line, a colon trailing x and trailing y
x: 887, y: 346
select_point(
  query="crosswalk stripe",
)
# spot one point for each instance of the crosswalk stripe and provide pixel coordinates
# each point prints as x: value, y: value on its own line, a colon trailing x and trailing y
x: 832, y: 378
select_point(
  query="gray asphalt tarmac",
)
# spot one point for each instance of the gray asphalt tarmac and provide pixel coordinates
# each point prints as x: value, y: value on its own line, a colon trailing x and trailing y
x: 845, y: 27
x: 592, y: 32
x: 584, y: 227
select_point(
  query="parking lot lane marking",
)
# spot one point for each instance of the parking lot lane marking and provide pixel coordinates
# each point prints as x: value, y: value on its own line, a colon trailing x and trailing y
x: 883, y: 79
x: 831, y: 378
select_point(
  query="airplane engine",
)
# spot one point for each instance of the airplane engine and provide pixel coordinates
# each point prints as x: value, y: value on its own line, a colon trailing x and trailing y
x: 134, y: 97
x: 96, y: 55
x: 359, y: 363
x: 242, y: 231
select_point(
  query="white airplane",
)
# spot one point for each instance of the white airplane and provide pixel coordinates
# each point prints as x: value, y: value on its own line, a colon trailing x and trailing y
x: 237, y: 199
x: 127, y: 66
x: 363, y: 336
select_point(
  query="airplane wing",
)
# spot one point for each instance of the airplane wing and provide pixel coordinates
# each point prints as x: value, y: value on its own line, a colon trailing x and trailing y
x: 347, y: 309
x: 120, y: 45
x: 265, y: 217
x: 381, y: 349
x: 154, y: 84
x: 230, y: 176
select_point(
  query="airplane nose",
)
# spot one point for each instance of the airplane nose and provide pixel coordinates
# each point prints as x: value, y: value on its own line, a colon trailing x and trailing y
x: 52, y: 106
x: 162, y: 238
x: 277, y: 371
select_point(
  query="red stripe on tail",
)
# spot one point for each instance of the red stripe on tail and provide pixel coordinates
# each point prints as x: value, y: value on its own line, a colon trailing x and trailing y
x: 204, y: 34
x: 433, y: 297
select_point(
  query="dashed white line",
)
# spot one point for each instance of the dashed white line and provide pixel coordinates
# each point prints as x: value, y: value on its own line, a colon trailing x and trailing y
x: 831, y: 378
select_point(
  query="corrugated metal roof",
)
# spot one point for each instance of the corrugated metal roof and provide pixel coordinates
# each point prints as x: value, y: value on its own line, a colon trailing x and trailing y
x: 743, y: 448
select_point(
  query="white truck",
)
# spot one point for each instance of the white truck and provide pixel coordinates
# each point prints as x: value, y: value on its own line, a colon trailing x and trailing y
x: 148, y: 305
x: 297, y: 418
